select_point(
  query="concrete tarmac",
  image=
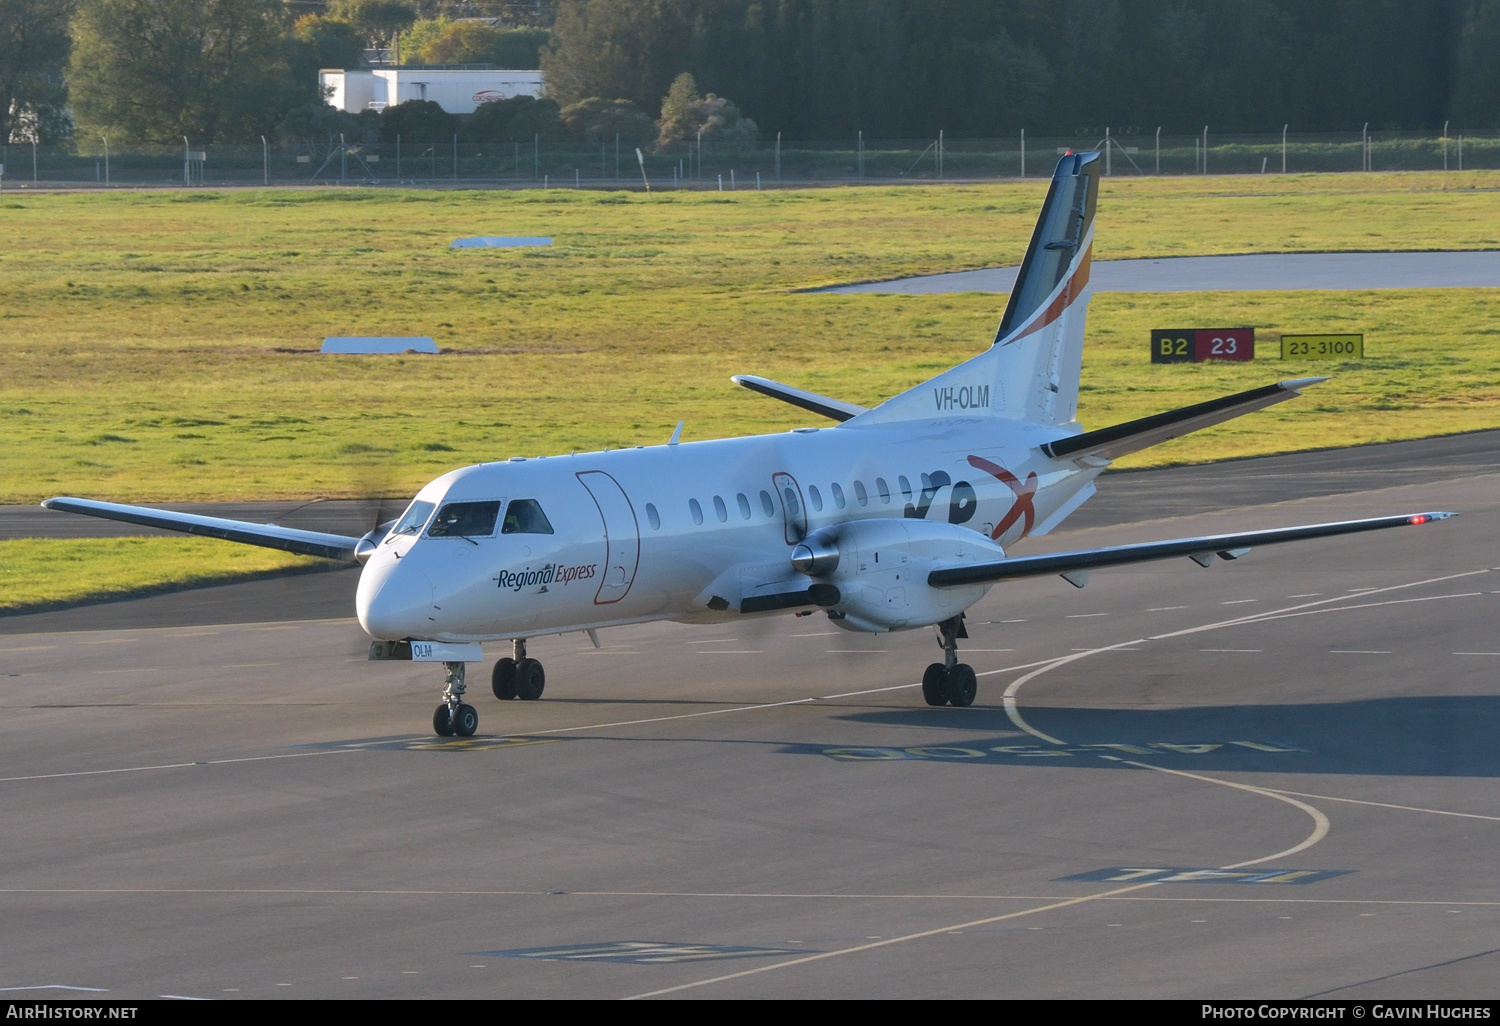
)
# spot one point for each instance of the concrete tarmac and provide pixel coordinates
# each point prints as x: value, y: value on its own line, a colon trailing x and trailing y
x: 1271, y: 778
x: 1246, y: 272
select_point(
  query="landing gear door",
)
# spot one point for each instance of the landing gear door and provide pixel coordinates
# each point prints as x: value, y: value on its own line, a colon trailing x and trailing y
x: 622, y: 535
x: 793, y: 511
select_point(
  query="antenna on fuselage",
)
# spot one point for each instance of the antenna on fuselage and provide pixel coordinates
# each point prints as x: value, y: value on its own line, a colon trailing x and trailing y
x: 677, y: 434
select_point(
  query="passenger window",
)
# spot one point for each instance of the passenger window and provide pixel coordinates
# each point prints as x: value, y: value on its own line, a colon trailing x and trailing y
x: 816, y: 498
x: 766, y: 503
x: 793, y: 507
x: 465, y: 520
x: 861, y: 496
x: 744, y: 505
x: 696, y: 510
x: 905, y: 486
x: 414, y: 519
x: 525, y: 516
x: 884, y: 490
x: 838, y: 495
x: 653, y: 516
x: 719, y: 510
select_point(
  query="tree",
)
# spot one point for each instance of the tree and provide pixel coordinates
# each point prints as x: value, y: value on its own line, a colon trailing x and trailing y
x: 518, y: 119
x: 1476, y: 94
x: 686, y: 115
x: 318, y: 127
x: 417, y: 121
x: 158, y: 70
x: 34, y: 47
x: 598, y: 120
x: 377, y: 20
x: 317, y: 43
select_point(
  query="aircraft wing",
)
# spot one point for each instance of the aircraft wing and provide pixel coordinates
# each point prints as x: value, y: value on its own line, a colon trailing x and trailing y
x: 1075, y: 566
x: 1114, y: 442
x: 306, y: 543
x: 834, y: 409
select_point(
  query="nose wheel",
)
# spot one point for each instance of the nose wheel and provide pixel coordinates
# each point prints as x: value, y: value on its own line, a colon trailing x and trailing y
x: 454, y: 718
x: 950, y: 682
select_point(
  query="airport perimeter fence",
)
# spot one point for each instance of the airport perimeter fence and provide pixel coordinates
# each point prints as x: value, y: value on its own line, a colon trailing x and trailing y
x: 774, y: 163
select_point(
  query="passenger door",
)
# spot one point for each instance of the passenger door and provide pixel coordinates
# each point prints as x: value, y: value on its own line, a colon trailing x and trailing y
x: 622, y: 535
x: 793, y: 510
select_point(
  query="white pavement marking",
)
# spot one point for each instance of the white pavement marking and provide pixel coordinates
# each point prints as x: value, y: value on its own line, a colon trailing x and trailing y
x: 1386, y: 805
x: 177, y: 765
x: 1320, y: 830
x: 1477, y: 653
x: 1358, y: 651
x: 59, y: 986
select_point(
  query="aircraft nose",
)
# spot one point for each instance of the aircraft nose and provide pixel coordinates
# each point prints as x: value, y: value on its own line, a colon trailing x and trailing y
x: 394, y: 601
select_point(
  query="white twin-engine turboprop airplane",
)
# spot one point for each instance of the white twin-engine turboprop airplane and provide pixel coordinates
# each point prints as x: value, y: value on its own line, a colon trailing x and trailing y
x: 895, y: 518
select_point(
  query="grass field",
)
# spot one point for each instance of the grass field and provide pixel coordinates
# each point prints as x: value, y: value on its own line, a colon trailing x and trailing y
x: 163, y: 346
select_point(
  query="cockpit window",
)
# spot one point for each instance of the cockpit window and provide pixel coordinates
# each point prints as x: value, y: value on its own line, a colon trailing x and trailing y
x: 525, y: 516
x: 465, y: 520
x: 414, y: 518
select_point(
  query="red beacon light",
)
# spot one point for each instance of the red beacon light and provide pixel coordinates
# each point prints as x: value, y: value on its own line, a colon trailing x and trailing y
x: 1420, y: 518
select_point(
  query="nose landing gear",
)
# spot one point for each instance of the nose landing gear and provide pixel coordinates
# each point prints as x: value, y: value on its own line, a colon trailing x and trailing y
x: 453, y: 717
x: 520, y: 677
x: 950, y: 682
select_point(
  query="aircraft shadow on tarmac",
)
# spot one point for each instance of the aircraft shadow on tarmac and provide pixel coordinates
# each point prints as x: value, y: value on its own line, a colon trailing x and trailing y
x: 1441, y: 736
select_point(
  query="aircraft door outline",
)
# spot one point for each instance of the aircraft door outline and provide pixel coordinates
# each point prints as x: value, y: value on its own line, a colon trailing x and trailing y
x: 793, y: 508
x: 622, y: 535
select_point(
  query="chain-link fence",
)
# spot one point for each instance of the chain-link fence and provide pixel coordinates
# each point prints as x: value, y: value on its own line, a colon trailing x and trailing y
x: 776, y: 162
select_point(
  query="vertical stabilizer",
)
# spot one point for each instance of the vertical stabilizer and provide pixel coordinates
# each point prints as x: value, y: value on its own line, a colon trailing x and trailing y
x: 1031, y: 371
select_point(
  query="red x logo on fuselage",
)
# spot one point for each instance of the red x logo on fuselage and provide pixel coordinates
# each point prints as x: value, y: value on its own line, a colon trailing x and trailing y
x: 1022, y: 507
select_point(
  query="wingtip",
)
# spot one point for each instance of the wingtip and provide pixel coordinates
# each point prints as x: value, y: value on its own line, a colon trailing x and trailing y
x: 1422, y: 518
x: 1300, y: 383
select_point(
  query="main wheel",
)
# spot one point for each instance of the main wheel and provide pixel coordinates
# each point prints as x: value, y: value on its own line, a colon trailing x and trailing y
x: 442, y: 723
x: 962, y: 685
x: 503, y: 679
x: 531, y: 680
x: 466, y: 721
x: 935, y: 685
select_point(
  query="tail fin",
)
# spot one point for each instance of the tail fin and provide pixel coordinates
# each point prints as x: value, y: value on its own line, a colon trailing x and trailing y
x: 1031, y: 371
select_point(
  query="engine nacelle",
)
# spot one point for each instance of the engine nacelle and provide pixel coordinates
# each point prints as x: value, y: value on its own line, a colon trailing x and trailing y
x: 880, y: 569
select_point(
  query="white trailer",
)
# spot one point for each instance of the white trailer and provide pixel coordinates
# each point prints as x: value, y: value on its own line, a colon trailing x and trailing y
x: 457, y: 92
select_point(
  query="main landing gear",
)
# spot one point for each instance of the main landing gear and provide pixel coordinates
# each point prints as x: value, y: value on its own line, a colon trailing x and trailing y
x: 453, y: 717
x: 520, y: 677
x: 950, y: 682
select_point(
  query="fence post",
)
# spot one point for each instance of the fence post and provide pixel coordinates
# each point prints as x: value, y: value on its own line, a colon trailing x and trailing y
x: 1364, y: 147
x: 940, y: 153
x: 1205, y: 149
x: 106, y: 158
x: 1283, y: 147
x: 1023, y: 153
x: 265, y: 160
x: 1158, y: 151
x: 1445, y: 145
x: 187, y: 151
x: 1108, y: 164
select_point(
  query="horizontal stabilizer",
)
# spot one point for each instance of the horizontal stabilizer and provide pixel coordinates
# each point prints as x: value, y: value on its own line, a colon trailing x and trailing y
x: 1114, y: 442
x: 834, y: 409
x: 1200, y: 550
x: 306, y: 543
